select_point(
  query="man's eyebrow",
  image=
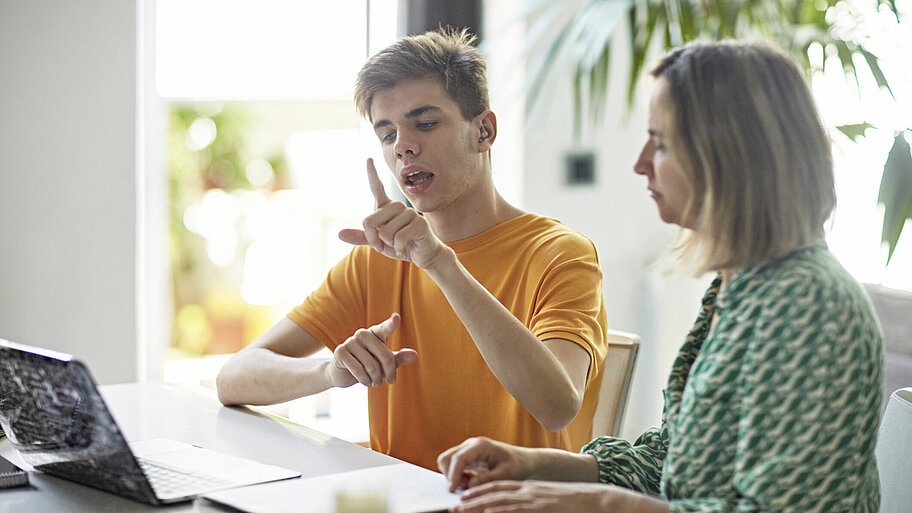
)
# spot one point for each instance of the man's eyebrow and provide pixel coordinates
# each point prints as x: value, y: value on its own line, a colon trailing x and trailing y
x: 414, y: 113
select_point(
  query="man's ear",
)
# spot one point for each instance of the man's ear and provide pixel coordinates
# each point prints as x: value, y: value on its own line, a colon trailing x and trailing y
x: 486, y: 123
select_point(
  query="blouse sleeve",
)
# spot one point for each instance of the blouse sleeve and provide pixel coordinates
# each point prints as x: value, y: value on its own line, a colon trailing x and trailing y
x: 637, y: 467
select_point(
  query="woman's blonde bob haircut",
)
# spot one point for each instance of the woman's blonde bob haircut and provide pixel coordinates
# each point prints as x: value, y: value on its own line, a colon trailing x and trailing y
x: 751, y: 144
x: 445, y: 54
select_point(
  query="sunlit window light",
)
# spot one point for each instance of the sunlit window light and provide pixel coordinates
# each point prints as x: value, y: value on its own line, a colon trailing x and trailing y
x: 201, y: 133
x: 259, y: 172
x: 272, y: 244
x: 854, y: 235
x: 269, y: 49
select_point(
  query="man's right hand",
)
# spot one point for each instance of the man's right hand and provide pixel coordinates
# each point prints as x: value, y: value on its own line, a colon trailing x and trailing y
x: 396, y: 231
x: 364, y: 358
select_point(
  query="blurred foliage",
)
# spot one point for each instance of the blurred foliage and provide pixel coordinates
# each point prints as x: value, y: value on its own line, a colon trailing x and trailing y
x: 896, y: 191
x: 584, y: 38
x: 209, y: 314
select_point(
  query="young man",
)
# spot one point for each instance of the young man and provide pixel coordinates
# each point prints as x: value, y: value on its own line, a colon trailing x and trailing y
x: 464, y: 316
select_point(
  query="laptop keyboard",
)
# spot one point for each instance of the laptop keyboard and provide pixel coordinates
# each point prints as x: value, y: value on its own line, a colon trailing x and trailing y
x: 168, y: 482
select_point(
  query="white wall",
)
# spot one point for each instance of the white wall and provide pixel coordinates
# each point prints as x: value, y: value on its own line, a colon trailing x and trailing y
x: 615, y: 211
x: 68, y: 180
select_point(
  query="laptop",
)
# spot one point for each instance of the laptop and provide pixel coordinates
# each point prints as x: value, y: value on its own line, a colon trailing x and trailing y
x: 55, y: 418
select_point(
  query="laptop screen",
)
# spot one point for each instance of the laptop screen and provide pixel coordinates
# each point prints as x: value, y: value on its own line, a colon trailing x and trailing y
x: 56, y: 419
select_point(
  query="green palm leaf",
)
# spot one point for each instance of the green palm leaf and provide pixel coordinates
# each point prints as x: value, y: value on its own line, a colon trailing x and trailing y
x: 896, y: 192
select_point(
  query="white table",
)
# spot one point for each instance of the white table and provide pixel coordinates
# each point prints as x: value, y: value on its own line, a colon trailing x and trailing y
x: 192, y: 415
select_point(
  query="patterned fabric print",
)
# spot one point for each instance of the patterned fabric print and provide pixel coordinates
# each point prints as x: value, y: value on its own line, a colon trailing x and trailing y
x: 780, y: 409
x: 639, y: 467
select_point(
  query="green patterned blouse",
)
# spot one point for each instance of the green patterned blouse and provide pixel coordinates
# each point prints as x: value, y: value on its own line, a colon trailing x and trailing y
x: 777, y: 408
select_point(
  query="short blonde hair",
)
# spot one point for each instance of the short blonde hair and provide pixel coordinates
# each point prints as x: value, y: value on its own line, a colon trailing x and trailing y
x: 751, y: 144
x: 446, y: 54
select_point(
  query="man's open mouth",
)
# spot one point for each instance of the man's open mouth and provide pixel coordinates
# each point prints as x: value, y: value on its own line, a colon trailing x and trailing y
x: 417, y: 177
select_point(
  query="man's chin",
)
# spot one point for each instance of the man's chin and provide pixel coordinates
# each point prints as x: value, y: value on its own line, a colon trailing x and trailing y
x: 421, y: 205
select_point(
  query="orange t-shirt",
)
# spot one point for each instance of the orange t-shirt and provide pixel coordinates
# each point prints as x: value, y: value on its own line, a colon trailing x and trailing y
x: 546, y: 274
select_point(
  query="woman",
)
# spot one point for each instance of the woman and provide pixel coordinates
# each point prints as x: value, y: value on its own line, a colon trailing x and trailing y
x: 774, y: 400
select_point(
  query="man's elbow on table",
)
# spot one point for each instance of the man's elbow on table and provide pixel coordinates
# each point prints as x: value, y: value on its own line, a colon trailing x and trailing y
x: 226, y: 384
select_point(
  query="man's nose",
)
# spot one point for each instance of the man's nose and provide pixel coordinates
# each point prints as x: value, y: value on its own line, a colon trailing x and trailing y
x: 405, y: 144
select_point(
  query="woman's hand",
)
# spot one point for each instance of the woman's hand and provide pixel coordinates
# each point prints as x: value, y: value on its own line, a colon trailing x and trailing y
x: 551, y: 497
x: 536, y: 496
x: 482, y: 460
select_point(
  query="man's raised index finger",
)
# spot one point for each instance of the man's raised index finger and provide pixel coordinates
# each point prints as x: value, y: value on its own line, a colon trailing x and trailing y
x: 376, y: 185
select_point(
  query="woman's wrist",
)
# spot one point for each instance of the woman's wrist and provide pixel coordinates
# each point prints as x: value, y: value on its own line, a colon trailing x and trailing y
x: 560, y: 465
x: 622, y: 500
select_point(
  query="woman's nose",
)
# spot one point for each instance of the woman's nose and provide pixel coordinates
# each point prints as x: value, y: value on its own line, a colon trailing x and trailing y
x: 643, y: 165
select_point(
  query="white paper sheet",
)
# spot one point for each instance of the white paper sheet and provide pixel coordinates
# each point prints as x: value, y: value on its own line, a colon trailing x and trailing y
x: 408, y: 489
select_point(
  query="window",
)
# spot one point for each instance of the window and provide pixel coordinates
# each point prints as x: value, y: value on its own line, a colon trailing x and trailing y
x: 261, y: 171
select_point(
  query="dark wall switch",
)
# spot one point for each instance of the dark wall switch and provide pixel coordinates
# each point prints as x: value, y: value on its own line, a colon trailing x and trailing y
x: 580, y: 168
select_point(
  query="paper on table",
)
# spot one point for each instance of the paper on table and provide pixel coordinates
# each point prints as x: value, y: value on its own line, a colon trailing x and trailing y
x: 408, y: 488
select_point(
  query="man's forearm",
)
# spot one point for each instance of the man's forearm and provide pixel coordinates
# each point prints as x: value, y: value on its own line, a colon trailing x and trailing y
x: 522, y: 363
x: 259, y: 376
